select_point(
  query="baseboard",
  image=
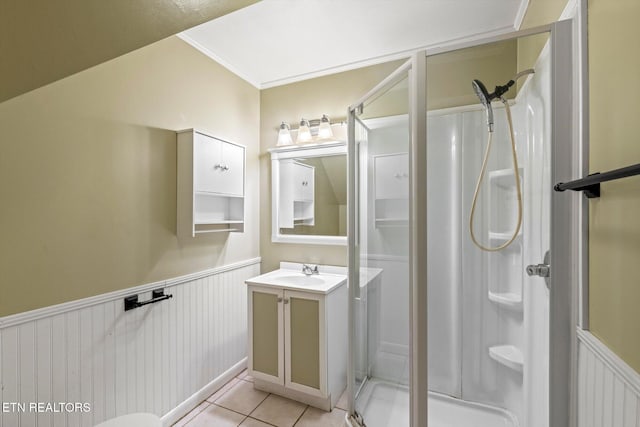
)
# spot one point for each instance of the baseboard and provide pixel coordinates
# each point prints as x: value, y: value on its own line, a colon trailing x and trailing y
x: 200, y: 396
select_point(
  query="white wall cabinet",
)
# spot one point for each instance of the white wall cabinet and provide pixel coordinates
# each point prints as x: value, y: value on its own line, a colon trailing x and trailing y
x: 297, y: 194
x: 296, y: 340
x: 391, y: 187
x: 211, y: 184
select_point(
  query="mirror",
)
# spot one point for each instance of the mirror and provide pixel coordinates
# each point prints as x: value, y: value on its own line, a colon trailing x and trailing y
x: 309, y: 193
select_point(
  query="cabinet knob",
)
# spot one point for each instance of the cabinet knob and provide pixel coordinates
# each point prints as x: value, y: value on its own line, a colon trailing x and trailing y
x: 279, y: 299
x: 286, y: 300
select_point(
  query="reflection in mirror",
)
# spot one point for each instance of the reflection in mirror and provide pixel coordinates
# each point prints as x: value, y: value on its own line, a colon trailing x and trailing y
x: 324, y: 212
x: 309, y: 193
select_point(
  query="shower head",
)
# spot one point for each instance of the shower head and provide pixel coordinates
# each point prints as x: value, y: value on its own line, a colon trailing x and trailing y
x: 482, y: 92
x: 485, y: 99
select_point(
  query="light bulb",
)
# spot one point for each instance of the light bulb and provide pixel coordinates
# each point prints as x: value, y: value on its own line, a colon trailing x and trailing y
x: 304, y: 133
x: 324, y: 131
x: 284, y: 136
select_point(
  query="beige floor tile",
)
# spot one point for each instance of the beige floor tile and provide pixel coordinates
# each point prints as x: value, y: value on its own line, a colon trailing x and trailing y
x: 217, y: 416
x: 314, y: 417
x: 225, y: 388
x: 252, y: 422
x: 279, y: 411
x: 343, y: 402
x: 242, y: 397
x: 244, y: 375
x: 191, y: 415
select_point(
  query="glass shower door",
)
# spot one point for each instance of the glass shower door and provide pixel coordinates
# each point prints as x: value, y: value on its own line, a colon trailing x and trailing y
x: 380, y: 297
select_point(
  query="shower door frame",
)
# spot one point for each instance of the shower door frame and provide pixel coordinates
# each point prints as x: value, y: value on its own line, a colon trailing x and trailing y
x: 566, y: 246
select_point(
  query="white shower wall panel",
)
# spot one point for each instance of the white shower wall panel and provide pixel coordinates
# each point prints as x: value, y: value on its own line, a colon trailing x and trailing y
x: 444, y: 161
x: 464, y: 323
x: 532, y: 121
x: 484, y: 323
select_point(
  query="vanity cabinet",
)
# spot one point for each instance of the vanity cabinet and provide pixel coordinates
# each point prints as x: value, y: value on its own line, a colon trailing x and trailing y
x: 211, y: 181
x: 297, y: 194
x: 391, y: 187
x: 298, y: 343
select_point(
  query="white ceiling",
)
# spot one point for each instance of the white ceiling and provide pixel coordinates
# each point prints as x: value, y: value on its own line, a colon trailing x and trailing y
x: 275, y: 42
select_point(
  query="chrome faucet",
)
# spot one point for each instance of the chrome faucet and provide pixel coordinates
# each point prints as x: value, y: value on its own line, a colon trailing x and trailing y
x: 308, y: 271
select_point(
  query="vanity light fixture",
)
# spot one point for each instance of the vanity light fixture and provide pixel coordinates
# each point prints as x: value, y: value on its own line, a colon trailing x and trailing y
x: 304, y: 133
x: 310, y: 131
x: 284, y: 135
x: 324, y: 131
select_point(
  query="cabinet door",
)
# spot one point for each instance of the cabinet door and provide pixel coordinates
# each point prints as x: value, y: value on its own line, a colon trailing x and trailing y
x: 392, y: 176
x: 305, y: 343
x: 207, y: 161
x: 233, y: 169
x: 308, y: 176
x: 303, y: 182
x: 266, y: 334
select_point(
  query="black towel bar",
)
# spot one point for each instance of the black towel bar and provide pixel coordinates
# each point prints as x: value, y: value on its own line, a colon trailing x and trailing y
x: 591, y: 184
x: 157, y: 295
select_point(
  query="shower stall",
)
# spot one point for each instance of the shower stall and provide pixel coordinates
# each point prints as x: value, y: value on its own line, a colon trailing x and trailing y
x: 453, y: 335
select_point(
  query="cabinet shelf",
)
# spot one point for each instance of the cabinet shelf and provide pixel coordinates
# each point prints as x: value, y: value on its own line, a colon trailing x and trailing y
x: 217, y: 221
x: 507, y: 355
x: 507, y: 299
x: 211, y: 194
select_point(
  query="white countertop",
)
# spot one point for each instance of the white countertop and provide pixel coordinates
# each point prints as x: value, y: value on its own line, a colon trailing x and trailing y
x: 289, y: 276
x: 283, y: 278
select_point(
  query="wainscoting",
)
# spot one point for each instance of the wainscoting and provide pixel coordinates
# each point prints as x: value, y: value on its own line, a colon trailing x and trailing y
x: 608, y: 389
x: 162, y: 358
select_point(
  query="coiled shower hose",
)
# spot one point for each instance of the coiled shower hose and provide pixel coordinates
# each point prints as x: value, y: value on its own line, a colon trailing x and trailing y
x: 517, y: 182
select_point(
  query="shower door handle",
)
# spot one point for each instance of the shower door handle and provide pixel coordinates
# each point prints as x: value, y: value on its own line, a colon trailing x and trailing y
x: 541, y: 270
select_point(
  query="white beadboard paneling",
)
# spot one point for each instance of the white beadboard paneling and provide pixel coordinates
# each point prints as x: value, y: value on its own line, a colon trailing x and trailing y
x: 9, y: 373
x: 43, y: 368
x: 161, y: 358
x: 608, y: 389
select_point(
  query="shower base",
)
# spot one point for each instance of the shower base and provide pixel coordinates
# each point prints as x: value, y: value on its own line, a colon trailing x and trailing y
x: 385, y: 404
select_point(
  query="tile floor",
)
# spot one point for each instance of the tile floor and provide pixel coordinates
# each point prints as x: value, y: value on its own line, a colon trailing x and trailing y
x: 237, y: 403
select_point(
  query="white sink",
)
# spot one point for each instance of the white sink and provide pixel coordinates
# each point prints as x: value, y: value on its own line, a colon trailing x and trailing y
x: 293, y: 279
x: 301, y: 279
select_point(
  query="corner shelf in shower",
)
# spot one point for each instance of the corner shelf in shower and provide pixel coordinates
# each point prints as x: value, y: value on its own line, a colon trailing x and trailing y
x: 508, y: 299
x: 504, y: 177
x: 507, y: 355
x: 391, y: 222
x: 503, y: 237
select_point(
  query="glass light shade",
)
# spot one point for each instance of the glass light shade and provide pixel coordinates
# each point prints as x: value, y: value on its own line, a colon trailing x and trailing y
x: 304, y: 133
x: 324, y: 131
x: 284, y: 136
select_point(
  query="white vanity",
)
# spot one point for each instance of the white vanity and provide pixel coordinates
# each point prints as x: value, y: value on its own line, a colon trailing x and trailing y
x: 298, y: 333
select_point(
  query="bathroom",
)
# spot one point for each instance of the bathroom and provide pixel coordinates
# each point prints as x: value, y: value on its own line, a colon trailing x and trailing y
x: 99, y: 212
